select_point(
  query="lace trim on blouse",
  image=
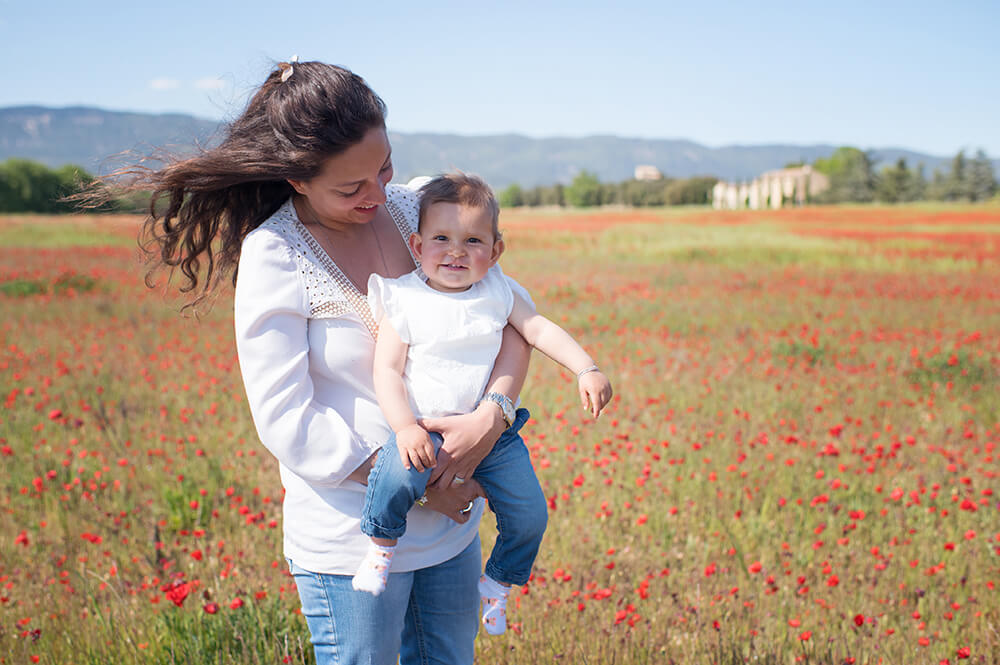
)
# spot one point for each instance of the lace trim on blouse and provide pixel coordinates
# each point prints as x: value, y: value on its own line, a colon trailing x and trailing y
x: 330, y: 294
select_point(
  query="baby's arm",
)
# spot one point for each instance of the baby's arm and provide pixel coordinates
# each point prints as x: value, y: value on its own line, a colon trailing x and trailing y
x: 414, y: 443
x: 556, y: 343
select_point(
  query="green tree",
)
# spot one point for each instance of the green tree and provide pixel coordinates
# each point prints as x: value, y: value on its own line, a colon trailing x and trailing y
x: 552, y: 196
x: 533, y: 197
x: 584, y: 191
x: 937, y: 188
x: 981, y: 182
x: 918, y: 185
x: 645, y: 192
x: 27, y: 186
x: 893, y: 184
x: 511, y: 197
x: 690, y: 191
x: 852, y: 177
x: 956, y: 185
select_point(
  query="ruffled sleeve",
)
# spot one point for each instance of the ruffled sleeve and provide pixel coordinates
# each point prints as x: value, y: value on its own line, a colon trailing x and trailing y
x: 383, y: 300
x: 271, y: 318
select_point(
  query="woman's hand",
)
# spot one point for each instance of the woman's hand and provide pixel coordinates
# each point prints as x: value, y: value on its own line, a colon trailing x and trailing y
x: 454, y: 502
x: 468, y: 438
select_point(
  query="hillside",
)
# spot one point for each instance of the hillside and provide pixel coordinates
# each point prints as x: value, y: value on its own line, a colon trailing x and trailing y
x: 95, y: 138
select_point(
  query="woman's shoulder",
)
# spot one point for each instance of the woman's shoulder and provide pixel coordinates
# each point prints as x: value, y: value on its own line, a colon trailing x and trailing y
x: 403, y: 202
x: 281, y: 224
x: 282, y: 245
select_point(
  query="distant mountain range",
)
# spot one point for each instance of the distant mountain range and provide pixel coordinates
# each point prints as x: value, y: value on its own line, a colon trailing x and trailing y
x: 96, y: 138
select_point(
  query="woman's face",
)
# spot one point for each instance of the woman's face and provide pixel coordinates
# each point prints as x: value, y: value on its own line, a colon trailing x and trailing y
x: 350, y: 186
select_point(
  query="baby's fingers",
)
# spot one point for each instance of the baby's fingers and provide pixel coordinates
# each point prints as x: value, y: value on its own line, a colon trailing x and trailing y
x: 595, y: 402
x: 427, y: 455
x: 584, y: 398
x: 415, y: 459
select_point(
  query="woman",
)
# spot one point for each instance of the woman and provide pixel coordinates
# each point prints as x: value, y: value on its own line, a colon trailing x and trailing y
x: 297, y: 195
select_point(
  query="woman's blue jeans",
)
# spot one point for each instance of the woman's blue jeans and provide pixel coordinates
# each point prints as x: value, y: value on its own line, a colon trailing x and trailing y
x: 511, y: 487
x: 424, y: 617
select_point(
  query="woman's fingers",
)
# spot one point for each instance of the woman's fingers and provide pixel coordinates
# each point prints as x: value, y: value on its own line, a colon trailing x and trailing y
x: 443, y: 467
x: 452, y: 501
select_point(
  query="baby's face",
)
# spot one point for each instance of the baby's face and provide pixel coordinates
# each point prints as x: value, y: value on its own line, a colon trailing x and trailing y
x: 456, y: 246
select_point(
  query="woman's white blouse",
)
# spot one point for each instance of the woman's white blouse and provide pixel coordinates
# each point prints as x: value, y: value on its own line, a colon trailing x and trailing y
x: 305, y: 340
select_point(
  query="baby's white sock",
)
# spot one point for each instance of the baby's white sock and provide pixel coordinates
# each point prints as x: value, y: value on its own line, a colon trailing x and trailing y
x: 493, y: 596
x: 374, y: 569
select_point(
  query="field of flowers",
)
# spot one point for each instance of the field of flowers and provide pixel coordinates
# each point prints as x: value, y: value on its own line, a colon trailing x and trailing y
x: 799, y: 466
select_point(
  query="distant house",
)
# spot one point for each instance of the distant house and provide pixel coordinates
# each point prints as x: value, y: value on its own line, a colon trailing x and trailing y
x: 774, y: 189
x: 647, y: 172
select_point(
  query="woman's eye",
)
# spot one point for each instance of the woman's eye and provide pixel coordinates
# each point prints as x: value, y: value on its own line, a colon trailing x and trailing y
x: 350, y: 193
x: 386, y: 167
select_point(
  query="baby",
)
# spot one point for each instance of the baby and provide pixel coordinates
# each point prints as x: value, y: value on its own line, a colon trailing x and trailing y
x: 440, y: 329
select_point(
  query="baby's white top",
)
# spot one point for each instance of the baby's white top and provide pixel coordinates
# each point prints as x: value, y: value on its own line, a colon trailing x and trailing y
x: 453, y: 338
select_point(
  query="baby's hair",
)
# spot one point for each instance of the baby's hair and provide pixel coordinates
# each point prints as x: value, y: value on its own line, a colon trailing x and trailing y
x: 462, y: 188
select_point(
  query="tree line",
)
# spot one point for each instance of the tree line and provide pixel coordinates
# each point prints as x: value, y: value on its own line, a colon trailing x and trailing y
x: 586, y: 190
x: 28, y: 186
x: 854, y: 179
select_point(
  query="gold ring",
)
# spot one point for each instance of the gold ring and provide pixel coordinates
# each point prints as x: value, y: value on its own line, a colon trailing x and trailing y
x: 468, y: 507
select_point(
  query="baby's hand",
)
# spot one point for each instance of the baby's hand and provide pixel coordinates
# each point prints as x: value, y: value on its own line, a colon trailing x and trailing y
x: 415, y: 448
x: 595, y: 392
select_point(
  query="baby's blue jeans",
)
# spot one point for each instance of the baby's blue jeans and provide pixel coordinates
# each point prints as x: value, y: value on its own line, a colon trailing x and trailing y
x: 511, y: 488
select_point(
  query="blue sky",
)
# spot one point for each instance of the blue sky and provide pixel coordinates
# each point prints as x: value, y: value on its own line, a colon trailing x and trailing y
x: 921, y: 75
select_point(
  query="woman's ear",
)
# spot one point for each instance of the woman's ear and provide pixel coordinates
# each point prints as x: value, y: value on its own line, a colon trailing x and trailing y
x: 416, y: 245
x: 297, y: 185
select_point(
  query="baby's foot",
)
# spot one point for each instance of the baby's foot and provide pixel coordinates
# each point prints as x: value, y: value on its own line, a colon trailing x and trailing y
x: 374, y: 570
x: 493, y: 596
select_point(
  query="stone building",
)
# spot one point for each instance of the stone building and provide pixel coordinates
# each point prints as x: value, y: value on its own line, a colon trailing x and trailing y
x: 774, y: 189
x: 647, y: 172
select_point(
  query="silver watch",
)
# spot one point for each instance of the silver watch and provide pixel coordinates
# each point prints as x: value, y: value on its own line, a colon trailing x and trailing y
x: 506, y: 406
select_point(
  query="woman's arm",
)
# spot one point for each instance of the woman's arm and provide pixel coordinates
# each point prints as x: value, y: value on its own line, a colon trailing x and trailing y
x: 272, y: 344
x: 469, y: 438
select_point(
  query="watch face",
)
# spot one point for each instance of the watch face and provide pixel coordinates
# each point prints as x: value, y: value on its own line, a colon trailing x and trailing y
x: 506, y: 408
x: 508, y: 412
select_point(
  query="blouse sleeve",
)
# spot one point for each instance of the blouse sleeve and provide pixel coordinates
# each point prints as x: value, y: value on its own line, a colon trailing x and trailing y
x: 271, y: 317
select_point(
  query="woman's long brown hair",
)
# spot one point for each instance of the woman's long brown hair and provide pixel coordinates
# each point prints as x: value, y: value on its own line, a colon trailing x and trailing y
x: 202, y: 207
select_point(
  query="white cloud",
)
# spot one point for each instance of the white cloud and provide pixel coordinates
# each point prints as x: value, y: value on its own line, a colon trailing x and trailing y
x: 164, y: 84
x: 209, y: 84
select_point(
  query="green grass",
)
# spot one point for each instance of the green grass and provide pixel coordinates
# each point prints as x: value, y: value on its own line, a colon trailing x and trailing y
x: 50, y: 233
x: 783, y: 401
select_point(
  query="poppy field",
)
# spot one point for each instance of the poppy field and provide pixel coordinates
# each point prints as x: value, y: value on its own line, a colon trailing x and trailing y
x: 800, y: 463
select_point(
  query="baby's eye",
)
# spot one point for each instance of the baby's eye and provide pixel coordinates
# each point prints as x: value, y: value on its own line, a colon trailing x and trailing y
x: 440, y: 237
x: 474, y: 240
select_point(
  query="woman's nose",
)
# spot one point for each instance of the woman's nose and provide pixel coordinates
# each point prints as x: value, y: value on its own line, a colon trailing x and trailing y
x: 376, y: 194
